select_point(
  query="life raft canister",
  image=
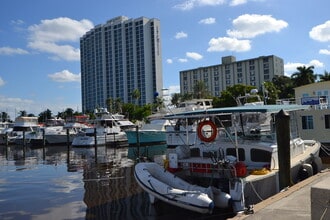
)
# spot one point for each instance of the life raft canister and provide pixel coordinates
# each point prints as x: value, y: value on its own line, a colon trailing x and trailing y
x: 241, y: 169
x: 200, y: 131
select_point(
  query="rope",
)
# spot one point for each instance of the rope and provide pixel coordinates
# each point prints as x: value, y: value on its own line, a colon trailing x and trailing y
x: 255, y: 191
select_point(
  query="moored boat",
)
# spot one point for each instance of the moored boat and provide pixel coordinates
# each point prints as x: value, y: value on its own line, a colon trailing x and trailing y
x: 163, y: 185
x: 106, y: 129
x: 236, y: 150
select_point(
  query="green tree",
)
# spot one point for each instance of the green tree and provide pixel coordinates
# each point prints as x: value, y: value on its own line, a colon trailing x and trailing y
x: 175, y: 100
x: 325, y: 76
x: 270, y: 93
x: 22, y: 113
x: 228, y: 96
x: 109, y: 103
x: 304, y: 75
x: 43, y: 116
x: 68, y: 113
x: 200, y: 90
x: 136, y: 94
x: 158, y: 104
x: 4, y: 117
x: 284, y: 85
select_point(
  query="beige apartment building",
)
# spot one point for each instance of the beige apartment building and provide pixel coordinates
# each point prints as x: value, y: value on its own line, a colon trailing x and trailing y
x: 315, y: 122
x: 218, y: 77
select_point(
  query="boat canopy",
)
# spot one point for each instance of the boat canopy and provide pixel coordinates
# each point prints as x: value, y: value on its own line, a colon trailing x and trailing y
x: 239, y: 109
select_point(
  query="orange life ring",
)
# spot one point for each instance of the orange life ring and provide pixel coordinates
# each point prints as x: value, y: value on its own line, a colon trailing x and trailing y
x: 213, y: 130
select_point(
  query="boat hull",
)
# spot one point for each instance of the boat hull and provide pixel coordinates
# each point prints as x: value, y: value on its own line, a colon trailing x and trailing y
x: 89, y: 141
x: 148, y: 137
x: 159, y: 183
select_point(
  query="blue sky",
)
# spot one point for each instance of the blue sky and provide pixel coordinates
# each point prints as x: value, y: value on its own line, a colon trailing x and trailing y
x: 39, y: 41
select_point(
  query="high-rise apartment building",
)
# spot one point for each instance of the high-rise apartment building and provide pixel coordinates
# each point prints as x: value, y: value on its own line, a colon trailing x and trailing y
x: 119, y: 57
x: 230, y: 72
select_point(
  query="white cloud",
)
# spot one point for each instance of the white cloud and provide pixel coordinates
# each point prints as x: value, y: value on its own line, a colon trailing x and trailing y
x: 321, y: 32
x: 290, y: 68
x: 12, y: 51
x: 173, y: 89
x: 190, y: 4
x: 228, y: 44
x: 180, y: 35
x: 316, y: 64
x: 49, y: 34
x: 252, y: 25
x: 187, y: 5
x: 194, y: 55
x: 13, y: 106
x: 324, y: 51
x: 2, y: 82
x: 169, y: 61
x: 207, y: 21
x: 65, y: 76
x: 182, y: 60
x: 237, y: 2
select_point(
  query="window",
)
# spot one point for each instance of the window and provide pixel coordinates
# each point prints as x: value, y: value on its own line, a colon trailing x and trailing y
x: 307, y: 122
x: 327, y: 121
x: 260, y: 155
x: 232, y: 151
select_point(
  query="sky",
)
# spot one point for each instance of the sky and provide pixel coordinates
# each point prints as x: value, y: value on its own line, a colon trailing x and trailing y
x: 39, y: 41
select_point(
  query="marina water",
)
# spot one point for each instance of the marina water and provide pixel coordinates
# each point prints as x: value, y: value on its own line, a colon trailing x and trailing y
x: 60, y: 182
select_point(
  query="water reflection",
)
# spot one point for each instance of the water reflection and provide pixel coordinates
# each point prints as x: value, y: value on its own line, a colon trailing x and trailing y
x: 58, y: 182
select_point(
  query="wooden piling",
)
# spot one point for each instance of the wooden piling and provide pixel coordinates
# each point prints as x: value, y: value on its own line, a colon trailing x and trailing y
x: 282, y: 123
x: 95, y: 144
x: 43, y: 138
x: 68, y: 137
x: 138, y: 141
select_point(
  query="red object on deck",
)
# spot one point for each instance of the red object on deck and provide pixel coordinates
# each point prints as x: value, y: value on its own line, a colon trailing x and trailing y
x: 200, y: 167
x: 241, y: 169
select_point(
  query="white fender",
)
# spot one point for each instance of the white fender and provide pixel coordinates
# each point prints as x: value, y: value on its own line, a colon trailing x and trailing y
x: 236, y: 190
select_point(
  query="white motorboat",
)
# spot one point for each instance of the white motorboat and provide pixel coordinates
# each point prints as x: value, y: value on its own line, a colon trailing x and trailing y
x: 106, y: 129
x: 24, y: 129
x: 164, y: 185
x: 236, y: 147
x: 6, y: 130
x: 151, y: 133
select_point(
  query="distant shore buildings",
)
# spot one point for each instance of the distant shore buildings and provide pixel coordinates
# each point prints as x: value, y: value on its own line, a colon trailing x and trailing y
x: 230, y: 72
x: 118, y: 58
x: 124, y: 55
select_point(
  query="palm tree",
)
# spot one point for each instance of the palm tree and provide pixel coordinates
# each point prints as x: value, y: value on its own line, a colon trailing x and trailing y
x: 109, y: 102
x: 325, y: 76
x: 22, y: 113
x: 304, y: 76
x: 136, y: 95
x: 200, y: 90
x: 175, y: 99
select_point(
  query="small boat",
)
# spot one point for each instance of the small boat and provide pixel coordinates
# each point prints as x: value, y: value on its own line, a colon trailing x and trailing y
x: 107, y: 129
x: 164, y: 185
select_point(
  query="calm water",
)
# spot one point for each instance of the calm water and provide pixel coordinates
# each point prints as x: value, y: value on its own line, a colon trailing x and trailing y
x: 60, y: 183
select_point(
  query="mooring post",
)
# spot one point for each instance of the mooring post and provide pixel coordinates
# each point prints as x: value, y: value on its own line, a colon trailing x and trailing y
x: 138, y: 141
x: 23, y: 138
x: 282, y: 123
x: 68, y: 138
x: 43, y: 138
x: 7, y: 139
x: 95, y: 144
